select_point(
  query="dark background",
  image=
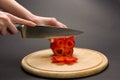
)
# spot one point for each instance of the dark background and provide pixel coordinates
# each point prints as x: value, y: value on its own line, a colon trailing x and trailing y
x: 99, y: 19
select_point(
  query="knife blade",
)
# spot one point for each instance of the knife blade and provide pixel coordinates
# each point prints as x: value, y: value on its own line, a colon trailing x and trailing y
x: 46, y: 31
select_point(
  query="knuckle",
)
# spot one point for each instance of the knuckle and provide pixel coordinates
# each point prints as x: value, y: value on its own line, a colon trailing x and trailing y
x: 53, y: 19
x: 1, y: 23
x: 4, y: 17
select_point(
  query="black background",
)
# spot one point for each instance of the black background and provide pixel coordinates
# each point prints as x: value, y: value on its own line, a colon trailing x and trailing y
x: 99, y: 19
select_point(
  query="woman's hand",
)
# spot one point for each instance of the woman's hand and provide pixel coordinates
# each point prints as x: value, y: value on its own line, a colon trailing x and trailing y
x: 19, y: 14
x: 47, y: 21
x: 8, y: 20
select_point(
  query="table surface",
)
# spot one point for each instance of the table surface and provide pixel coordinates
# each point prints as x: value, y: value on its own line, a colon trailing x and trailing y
x: 99, y: 19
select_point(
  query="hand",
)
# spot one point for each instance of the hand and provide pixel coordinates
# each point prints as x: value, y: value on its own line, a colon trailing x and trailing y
x: 8, y: 20
x: 47, y: 21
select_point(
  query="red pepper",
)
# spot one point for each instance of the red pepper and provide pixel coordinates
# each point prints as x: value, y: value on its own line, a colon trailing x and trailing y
x: 63, y: 50
x: 68, y: 51
x: 57, y: 42
x: 69, y: 42
x: 70, y: 60
x: 57, y: 59
x: 58, y: 51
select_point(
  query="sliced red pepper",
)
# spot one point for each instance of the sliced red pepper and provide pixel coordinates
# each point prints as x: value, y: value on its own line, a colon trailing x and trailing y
x: 63, y: 50
x: 68, y: 52
x: 70, y: 60
x: 69, y: 42
x: 65, y: 59
x: 58, y: 42
x: 58, y: 51
x: 57, y: 59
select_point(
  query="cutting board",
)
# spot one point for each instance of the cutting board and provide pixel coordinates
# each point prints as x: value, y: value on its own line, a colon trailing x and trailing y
x: 90, y: 62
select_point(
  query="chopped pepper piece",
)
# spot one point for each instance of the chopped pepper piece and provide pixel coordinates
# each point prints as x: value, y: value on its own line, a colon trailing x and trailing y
x: 63, y: 50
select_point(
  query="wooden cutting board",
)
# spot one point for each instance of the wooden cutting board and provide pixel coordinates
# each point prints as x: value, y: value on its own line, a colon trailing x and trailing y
x: 89, y: 62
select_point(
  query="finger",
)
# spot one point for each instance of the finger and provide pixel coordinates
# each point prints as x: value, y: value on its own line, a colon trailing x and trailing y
x: 25, y: 22
x: 12, y: 28
x: 54, y: 22
x: 3, y: 30
x: 61, y: 25
x: 18, y: 20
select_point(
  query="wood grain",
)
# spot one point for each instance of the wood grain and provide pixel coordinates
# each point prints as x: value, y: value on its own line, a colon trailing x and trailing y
x: 89, y: 62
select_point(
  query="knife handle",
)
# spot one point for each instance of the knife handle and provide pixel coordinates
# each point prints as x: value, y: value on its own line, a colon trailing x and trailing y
x: 19, y: 27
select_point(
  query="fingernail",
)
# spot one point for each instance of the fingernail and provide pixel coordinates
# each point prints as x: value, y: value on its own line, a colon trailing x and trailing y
x: 34, y: 24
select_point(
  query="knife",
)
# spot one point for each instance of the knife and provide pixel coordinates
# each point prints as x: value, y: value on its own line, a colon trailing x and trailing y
x: 46, y: 31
